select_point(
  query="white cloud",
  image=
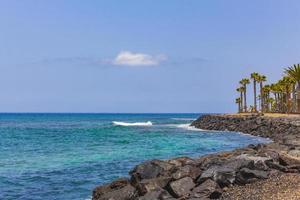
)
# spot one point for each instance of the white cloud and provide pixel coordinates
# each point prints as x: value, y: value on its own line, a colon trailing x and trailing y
x: 137, y: 59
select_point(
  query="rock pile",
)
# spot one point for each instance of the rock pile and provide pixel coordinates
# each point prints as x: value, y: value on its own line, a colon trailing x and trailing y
x: 209, y: 176
x: 276, y: 128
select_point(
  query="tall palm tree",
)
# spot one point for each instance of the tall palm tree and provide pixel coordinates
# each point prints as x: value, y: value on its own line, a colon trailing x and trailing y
x: 244, y: 82
x: 241, y: 91
x: 281, y: 96
x: 287, y: 84
x: 266, y: 91
x: 238, y: 101
x: 260, y: 79
x: 294, y: 73
x: 275, y: 89
x: 255, y: 77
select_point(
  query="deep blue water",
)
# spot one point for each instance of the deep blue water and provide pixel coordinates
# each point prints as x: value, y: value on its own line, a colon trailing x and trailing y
x: 64, y: 156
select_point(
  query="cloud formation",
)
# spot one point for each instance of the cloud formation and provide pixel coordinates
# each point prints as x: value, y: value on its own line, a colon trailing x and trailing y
x: 128, y: 58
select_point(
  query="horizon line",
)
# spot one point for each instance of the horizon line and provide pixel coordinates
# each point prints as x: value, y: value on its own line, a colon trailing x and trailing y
x: 106, y: 113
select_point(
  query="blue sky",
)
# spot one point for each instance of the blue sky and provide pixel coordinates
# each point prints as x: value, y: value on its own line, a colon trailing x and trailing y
x: 140, y: 55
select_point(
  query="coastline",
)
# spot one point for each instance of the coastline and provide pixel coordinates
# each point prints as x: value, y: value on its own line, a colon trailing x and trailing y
x: 214, y: 176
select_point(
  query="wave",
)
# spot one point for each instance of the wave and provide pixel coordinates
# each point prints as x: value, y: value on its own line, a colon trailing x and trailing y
x: 185, y: 126
x: 148, y: 123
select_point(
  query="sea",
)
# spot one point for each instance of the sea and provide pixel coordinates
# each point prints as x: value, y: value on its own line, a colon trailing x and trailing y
x: 65, y: 156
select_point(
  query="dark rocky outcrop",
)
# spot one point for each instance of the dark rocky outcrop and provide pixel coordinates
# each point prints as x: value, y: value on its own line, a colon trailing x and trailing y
x: 208, y: 176
x: 181, y: 187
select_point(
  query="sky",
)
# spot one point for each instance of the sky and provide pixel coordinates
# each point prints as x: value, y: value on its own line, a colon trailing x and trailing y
x: 140, y: 55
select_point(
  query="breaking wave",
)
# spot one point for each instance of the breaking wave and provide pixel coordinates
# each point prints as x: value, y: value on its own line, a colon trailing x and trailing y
x: 185, y: 126
x: 148, y: 123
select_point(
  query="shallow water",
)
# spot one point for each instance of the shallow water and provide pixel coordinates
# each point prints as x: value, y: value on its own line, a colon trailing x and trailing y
x: 64, y: 156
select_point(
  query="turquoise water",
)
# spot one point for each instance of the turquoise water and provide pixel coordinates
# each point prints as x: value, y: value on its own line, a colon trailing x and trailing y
x: 64, y: 156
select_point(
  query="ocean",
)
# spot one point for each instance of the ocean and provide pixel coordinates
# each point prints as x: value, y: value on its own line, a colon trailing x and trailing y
x: 65, y: 156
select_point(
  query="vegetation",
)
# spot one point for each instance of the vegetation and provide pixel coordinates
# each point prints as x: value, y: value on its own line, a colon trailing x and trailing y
x: 280, y: 97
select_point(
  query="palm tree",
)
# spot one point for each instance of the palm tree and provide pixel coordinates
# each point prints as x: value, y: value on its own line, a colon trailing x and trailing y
x: 287, y: 84
x: 266, y: 92
x: 238, y: 101
x: 271, y: 102
x: 244, y: 82
x: 294, y: 73
x: 275, y: 90
x: 260, y: 79
x: 241, y: 91
x: 281, y: 96
x: 255, y: 76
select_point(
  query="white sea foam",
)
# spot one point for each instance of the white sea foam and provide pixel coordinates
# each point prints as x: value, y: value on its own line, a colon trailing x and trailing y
x: 148, y: 123
x: 185, y: 126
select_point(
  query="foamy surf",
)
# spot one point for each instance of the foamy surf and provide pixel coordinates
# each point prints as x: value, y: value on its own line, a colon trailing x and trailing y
x: 185, y: 126
x: 148, y: 123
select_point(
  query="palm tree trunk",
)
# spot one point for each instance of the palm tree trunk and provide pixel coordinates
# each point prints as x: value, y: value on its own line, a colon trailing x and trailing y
x: 288, y: 107
x: 245, y: 99
x: 254, y: 86
x: 294, y: 99
x: 298, y: 97
x: 276, y: 102
x: 262, y: 97
x: 242, y: 99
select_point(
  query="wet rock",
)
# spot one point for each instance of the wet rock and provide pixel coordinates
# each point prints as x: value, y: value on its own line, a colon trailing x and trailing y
x: 181, y: 187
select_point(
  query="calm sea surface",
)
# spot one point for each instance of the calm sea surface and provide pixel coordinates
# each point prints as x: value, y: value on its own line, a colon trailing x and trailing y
x: 64, y: 156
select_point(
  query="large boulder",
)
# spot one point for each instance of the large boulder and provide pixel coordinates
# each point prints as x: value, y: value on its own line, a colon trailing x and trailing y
x: 246, y: 175
x: 148, y: 185
x: 188, y: 170
x: 151, y: 169
x: 225, y: 175
x: 182, y: 161
x: 158, y: 194
x: 285, y: 160
x: 208, y: 189
x: 104, y: 189
x: 117, y: 190
x: 181, y: 187
x: 258, y: 162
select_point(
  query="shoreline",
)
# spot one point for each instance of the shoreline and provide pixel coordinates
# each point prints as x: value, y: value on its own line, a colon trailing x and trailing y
x: 215, y: 175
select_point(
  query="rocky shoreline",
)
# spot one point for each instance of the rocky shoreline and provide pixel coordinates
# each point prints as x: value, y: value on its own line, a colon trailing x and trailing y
x: 212, y: 176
